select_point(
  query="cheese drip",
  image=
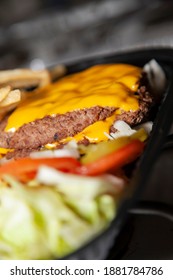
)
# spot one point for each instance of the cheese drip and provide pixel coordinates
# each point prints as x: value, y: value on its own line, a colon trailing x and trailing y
x: 94, y: 133
x: 110, y: 85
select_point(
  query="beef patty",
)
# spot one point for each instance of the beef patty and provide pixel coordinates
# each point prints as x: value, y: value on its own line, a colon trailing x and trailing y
x: 34, y: 135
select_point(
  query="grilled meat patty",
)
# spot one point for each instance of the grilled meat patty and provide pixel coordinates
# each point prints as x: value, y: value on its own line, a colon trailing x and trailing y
x: 51, y: 129
x: 34, y: 135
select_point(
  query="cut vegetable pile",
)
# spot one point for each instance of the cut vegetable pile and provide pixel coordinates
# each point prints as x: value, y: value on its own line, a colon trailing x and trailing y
x: 50, y: 206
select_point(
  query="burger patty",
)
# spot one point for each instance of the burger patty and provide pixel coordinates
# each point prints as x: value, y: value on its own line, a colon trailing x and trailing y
x: 53, y: 128
x: 34, y: 135
x: 135, y: 117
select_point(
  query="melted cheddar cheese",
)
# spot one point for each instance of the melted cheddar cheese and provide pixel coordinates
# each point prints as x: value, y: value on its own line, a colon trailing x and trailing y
x: 94, y: 133
x: 4, y: 151
x: 110, y: 85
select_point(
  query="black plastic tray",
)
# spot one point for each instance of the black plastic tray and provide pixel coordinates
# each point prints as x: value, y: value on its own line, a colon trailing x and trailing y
x: 99, y: 247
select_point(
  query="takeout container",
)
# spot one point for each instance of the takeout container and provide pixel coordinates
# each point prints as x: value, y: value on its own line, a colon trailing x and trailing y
x: 99, y: 247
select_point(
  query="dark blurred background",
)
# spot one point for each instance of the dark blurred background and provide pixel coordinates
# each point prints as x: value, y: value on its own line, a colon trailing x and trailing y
x: 38, y: 33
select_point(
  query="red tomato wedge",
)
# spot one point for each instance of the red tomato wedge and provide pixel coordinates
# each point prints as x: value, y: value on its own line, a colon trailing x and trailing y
x: 25, y: 169
x: 116, y: 160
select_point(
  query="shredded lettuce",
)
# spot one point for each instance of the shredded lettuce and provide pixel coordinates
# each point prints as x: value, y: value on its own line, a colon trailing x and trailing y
x: 47, y: 222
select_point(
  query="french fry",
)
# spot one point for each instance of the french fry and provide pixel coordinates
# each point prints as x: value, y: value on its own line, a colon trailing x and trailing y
x: 14, y: 96
x: 14, y: 85
x: 24, y: 78
x: 4, y: 92
x: 10, y: 101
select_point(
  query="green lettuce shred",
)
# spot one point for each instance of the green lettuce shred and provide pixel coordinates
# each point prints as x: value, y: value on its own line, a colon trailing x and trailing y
x: 41, y: 221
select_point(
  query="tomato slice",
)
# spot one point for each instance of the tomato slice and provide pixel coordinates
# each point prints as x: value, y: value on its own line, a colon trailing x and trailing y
x: 25, y: 169
x: 116, y: 159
